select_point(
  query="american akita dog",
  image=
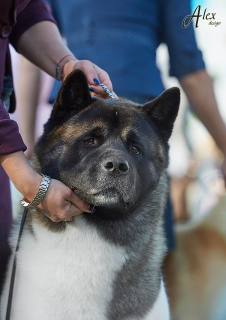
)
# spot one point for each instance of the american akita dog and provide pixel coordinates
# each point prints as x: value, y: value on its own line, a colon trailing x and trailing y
x: 105, y: 265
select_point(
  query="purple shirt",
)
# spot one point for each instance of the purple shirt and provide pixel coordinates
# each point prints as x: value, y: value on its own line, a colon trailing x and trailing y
x: 16, y: 16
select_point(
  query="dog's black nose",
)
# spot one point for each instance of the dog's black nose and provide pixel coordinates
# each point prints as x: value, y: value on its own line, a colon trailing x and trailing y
x: 116, y: 164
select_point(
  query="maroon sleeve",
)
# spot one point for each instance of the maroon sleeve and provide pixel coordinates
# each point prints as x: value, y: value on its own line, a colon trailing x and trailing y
x: 35, y: 11
x: 10, y: 138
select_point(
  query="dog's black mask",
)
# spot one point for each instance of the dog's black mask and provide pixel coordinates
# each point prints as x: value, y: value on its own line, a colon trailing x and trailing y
x: 110, y: 152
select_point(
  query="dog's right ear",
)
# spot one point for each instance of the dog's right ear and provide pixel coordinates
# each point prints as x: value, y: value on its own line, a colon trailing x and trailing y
x: 73, y: 96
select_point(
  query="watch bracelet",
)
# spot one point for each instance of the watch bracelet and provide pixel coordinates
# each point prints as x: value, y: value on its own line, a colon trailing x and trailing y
x: 45, y: 182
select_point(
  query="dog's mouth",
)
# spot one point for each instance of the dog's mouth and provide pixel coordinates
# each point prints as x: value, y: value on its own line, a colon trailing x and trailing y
x: 105, y: 197
x: 109, y: 203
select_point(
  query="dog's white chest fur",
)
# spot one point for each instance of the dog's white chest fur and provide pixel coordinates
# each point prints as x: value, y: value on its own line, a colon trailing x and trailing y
x: 65, y: 269
x: 72, y: 273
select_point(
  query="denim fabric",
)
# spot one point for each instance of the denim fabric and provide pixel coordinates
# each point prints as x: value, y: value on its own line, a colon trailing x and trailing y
x: 122, y: 37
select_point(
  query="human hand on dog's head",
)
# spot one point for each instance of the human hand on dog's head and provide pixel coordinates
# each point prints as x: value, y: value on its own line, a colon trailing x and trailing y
x: 93, y: 74
x: 60, y: 203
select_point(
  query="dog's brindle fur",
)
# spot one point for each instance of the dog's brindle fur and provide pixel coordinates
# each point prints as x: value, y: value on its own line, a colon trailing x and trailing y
x: 113, y: 154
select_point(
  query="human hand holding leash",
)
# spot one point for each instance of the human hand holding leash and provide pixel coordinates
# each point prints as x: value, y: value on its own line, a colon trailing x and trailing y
x: 56, y: 59
x: 94, y: 75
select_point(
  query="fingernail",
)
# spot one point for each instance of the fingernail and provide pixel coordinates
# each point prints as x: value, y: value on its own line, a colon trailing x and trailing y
x: 96, y: 81
x: 91, y: 89
x: 91, y: 208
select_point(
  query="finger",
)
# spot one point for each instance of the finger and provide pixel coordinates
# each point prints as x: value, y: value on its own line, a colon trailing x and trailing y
x: 115, y: 95
x: 54, y: 219
x: 74, y: 210
x: 103, y: 77
x: 90, y: 71
x: 94, y: 76
x: 66, y: 213
x: 69, y: 219
x: 96, y: 91
x: 79, y: 204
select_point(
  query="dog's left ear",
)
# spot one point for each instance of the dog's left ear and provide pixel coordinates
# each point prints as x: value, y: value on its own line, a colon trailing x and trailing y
x: 163, y: 111
x: 73, y: 96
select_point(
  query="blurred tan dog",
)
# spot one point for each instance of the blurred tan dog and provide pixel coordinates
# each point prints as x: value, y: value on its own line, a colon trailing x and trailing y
x: 195, y: 273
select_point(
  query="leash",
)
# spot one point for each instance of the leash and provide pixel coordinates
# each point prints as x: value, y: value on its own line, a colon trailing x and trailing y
x: 107, y: 90
x: 12, y: 280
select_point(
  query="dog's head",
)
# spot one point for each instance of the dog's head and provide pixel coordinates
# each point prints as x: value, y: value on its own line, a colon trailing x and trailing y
x: 110, y: 152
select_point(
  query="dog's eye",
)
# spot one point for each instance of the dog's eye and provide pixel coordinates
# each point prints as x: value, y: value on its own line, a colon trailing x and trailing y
x: 89, y: 141
x: 135, y: 150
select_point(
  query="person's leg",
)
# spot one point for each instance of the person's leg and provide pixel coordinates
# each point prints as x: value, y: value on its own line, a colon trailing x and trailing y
x: 5, y: 223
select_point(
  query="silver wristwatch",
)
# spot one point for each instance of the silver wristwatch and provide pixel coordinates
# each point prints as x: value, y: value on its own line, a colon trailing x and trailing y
x: 39, y: 195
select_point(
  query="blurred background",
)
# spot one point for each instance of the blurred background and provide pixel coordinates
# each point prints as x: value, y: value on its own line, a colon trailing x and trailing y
x: 195, y: 270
